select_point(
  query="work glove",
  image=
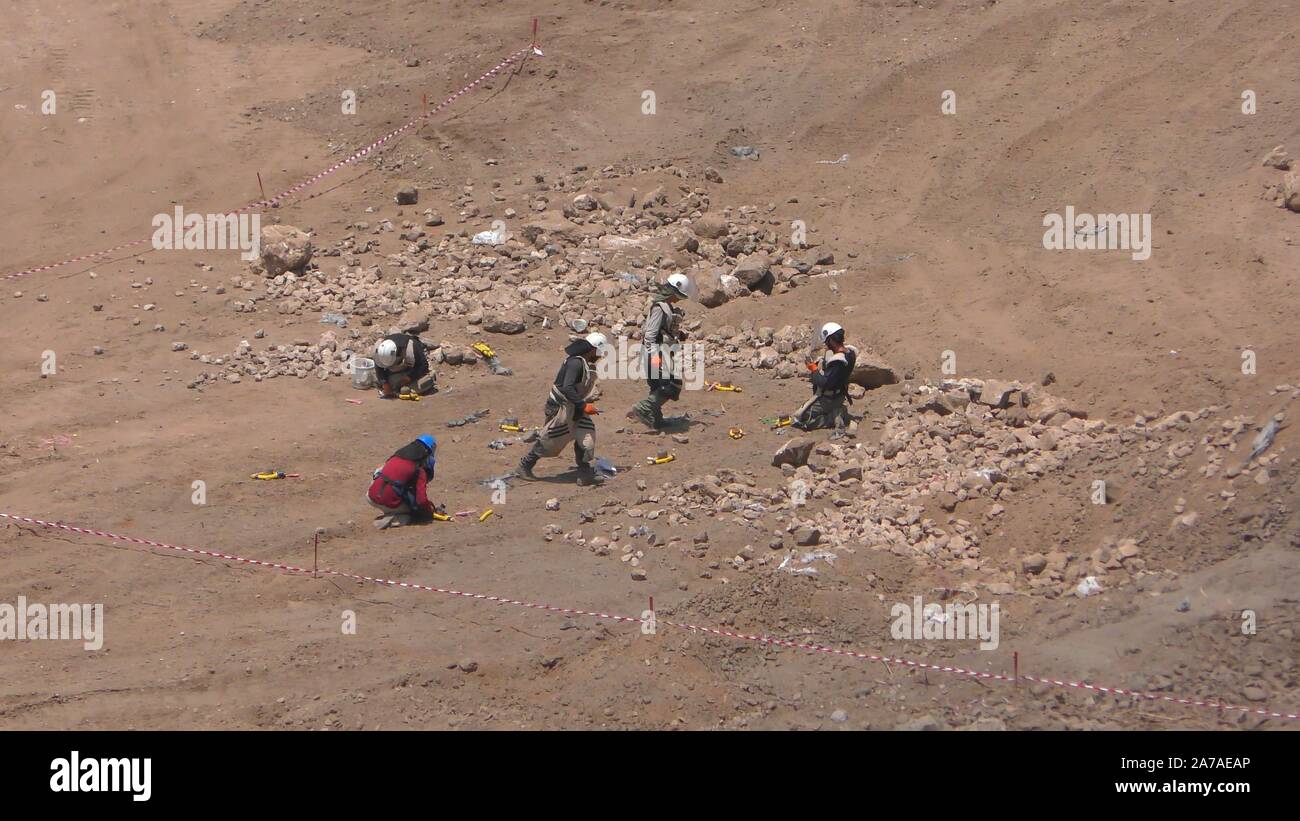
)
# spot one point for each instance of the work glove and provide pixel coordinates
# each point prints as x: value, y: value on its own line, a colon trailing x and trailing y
x: 590, y: 409
x: 812, y: 367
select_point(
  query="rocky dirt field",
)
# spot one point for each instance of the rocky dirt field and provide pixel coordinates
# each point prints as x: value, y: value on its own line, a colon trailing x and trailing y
x: 1099, y: 444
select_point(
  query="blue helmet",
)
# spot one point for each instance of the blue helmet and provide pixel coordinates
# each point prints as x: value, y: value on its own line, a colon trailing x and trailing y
x: 430, y: 443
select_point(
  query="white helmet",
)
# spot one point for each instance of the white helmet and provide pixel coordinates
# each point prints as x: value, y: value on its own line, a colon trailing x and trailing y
x: 386, y: 353
x: 830, y: 329
x: 597, y: 341
x: 681, y: 284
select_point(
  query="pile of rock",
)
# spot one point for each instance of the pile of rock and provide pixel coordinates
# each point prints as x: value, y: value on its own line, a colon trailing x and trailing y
x: 329, y: 356
x: 1286, y: 192
x: 587, y: 257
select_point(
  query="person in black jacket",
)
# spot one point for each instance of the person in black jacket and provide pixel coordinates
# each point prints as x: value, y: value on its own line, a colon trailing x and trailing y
x: 402, y: 365
x: 830, y: 383
x: 569, y: 412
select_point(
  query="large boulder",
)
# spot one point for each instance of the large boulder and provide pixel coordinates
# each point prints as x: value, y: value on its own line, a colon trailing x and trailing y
x: 997, y: 394
x: 710, y: 226
x: 870, y: 371
x: 710, y: 290
x: 752, y: 270
x: 285, y: 248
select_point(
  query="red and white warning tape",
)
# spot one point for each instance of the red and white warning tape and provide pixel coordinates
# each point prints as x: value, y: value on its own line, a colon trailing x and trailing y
x: 315, y: 178
x: 694, y: 628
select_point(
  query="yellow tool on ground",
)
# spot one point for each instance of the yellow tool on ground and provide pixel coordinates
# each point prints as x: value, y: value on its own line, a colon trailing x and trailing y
x: 660, y: 460
x: 409, y: 396
x: 719, y: 386
x: 783, y: 422
x: 505, y: 426
x: 484, y: 349
x: 736, y: 433
x: 486, y: 514
x: 268, y: 475
x: 442, y: 517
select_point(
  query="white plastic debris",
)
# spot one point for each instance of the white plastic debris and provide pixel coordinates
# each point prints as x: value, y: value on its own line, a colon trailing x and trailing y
x: 489, y: 237
x: 1087, y: 587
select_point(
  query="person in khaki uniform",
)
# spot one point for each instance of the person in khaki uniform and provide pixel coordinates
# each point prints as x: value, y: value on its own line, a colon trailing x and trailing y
x: 569, y: 412
x: 660, y: 342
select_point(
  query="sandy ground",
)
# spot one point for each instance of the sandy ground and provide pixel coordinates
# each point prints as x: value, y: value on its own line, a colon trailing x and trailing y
x: 1124, y: 106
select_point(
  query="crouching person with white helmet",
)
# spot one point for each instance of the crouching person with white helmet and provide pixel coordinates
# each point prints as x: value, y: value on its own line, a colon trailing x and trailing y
x: 402, y: 366
x: 660, y: 342
x: 569, y: 412
x: 830, y: 383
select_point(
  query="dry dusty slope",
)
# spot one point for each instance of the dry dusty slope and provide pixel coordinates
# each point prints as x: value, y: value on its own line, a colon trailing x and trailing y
x: 935, y: 221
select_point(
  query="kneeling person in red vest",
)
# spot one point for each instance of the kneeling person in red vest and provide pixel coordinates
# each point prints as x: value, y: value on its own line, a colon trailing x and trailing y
x: 401, y: 487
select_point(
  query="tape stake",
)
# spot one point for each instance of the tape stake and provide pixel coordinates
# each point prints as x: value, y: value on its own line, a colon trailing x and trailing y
x: 534, y: 31
x: 259, y: 186
x: 315, y: 557
x: 424, y: 101
x: 1015, y: 661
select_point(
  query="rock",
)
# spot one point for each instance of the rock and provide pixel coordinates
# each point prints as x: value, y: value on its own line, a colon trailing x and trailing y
x: 407, y: 195
x: 506, y: 322
x: 752, y: 270
x: 709, y: 290
x: 1127, y: 549
x: 638, y: 574
x: 986, y: 724
x: 467, y: 665
x: 552, y: 504
x: 1034, y: 563
x: 925, y: 723
x: 709, y: 226
x: 936, y: 403
x: 1291, y: 191
x: 807, y: 536
x: 585, y: 202
x: 711, y: 174
x: 795, y: 453
x: 1277, y: 158
x: 285, y: 248
x: 872, y: 372
x: 996, y: 393
x: 839, y: 716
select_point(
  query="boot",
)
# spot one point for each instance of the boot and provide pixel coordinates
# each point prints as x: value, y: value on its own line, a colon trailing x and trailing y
x: 588, y: 477
x: 526, y: 465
